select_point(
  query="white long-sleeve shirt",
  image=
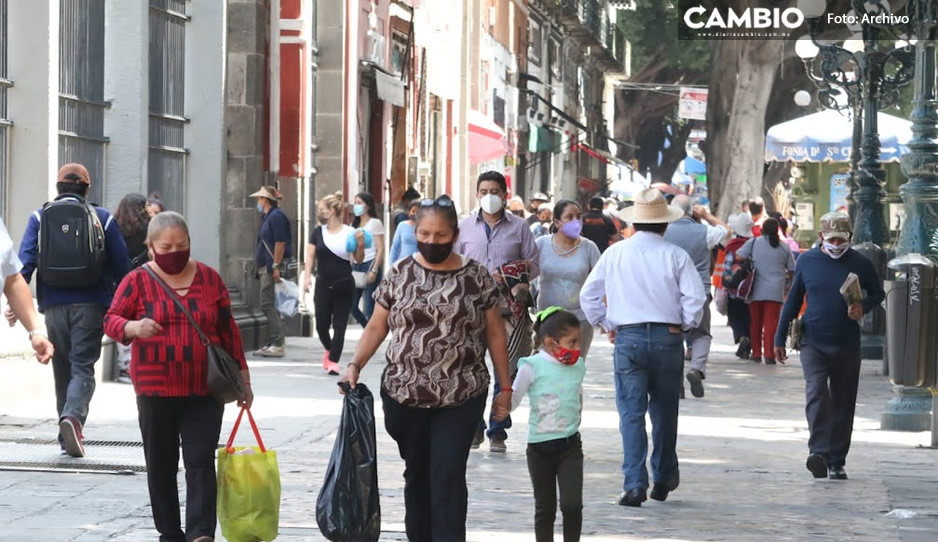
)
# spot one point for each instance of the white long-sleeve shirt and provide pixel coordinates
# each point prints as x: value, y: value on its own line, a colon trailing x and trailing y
x: 644, y: 279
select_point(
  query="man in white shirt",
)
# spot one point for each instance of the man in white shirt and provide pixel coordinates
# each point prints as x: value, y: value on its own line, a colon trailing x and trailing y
x: 19, y: 298
x: 653, y: 295
x: 697, y: 232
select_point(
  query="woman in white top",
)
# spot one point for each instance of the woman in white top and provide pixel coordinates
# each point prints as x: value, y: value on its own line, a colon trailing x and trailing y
x: 365, y: 213
x: 566, y: 260
x: 335, y: 288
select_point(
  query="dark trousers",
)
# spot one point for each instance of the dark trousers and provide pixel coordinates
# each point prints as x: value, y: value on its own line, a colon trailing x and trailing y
x: 368, y: 292
x: 197, y: 420
x: 831, y: 377
x: 548, y: 471
x: 737, y: 313
x: 269, y: 308
x: 75, y: 331
x: 434, y: 444
x: 332, y: 300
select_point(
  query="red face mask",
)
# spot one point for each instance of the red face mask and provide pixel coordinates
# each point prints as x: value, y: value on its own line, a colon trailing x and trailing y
x: 172, y: 263
x: 566, y: 356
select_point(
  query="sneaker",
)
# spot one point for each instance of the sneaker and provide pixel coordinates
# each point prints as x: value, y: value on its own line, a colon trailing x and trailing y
x: 70, y: 428
x: 124, y: 378
x: 478, y: 439
x: 744, y: 349
x: 260, y: 351
x: 333, y: 368
x: 272, y: 352
x: 497, y: 445
x: 695, y: 378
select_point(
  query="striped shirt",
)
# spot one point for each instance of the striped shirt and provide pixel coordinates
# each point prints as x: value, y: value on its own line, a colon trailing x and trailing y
x: 509, y: 240
x: 174, y: 363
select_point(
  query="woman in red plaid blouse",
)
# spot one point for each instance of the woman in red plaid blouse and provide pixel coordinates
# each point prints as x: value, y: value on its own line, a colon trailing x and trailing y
x: 168, y: 368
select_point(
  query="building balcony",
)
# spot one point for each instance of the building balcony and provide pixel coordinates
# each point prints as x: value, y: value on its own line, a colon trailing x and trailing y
x: 587, y: 22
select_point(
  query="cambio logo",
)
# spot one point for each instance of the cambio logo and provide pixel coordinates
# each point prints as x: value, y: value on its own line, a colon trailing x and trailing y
x: 749, y: 18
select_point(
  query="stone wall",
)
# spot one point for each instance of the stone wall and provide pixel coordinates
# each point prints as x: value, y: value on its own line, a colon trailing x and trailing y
x: 245, y: 114
x: 328, y: 132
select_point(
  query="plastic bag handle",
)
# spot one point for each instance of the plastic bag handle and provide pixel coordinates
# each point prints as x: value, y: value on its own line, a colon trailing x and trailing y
x: 234, y: 431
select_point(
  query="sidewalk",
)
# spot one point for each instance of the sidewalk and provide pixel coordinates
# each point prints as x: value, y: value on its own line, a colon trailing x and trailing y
x: 742, y: 451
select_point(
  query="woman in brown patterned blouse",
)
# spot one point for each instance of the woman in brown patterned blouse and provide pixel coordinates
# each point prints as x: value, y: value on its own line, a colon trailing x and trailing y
x: 442, y: 310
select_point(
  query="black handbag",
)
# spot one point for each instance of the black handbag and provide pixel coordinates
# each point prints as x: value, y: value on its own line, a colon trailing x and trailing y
x: 224, y: 372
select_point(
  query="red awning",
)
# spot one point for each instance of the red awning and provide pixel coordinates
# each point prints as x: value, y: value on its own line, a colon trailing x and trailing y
x: 592, y: 152
x: 486, y: 139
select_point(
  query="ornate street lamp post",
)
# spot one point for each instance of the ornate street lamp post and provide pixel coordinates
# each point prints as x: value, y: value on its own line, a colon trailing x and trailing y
x: 870, y: 77
x: 909, y: 411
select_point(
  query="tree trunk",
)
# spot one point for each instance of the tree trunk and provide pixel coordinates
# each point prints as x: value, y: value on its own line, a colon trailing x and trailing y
x: 745, y: 135
x: 719, y: 102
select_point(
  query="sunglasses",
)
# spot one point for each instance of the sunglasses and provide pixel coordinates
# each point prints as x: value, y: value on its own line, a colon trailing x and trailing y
x: 442, y: 201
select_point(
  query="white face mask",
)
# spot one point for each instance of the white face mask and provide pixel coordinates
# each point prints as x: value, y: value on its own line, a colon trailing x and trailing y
x: 491, y: 203
x: 835, y: 251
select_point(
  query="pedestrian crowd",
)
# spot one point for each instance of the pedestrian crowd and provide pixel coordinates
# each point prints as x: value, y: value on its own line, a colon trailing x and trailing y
x: 525, y: 293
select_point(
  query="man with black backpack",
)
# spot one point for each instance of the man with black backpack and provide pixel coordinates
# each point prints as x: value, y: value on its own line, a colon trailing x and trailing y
x: 79, y: 255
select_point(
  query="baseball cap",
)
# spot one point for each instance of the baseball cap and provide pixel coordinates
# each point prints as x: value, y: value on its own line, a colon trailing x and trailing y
x: 74, y: 173
x: 836, y: 224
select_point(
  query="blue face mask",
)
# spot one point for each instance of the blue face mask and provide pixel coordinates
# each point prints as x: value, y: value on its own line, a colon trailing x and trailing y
x: 260, y: 207
x: 358, y: 209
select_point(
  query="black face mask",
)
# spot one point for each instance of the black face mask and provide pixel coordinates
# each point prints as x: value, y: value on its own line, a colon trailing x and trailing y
x: 435, y: 252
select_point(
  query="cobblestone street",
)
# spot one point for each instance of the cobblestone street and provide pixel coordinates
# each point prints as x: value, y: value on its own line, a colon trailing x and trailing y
x: 742, y: 451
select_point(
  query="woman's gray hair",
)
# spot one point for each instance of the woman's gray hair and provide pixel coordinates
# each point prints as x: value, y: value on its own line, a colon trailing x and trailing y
x: 164, y: 221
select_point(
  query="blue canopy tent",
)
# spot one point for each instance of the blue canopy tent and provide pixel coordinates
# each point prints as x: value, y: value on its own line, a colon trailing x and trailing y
x: 827, y: 136
x: 693, y: 166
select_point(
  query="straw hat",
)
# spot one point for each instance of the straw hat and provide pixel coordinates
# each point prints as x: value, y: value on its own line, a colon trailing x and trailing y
x: 650, y: 208
x: 268, y: 192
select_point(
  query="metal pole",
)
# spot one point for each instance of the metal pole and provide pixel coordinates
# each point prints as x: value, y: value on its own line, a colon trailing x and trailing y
x: 909, y: 411
x: 934, y: 419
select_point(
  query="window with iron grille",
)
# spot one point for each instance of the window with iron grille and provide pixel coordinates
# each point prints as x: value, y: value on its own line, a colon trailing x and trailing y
x: 4, y: 123
x: 81, y: 89
x: 168, y: 153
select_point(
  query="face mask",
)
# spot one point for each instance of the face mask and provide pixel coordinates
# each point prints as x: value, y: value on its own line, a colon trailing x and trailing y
x: 835, y: 251
x: 260, y: 207
x: 565, y: 356
x: 323, y: 219
x: 435, y: 252
x: 358, y: 209
x: 572, y: 229
x: 172, y: 263
x: 491, y: 203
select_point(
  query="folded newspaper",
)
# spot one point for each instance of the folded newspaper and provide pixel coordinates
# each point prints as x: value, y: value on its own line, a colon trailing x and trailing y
x: 851, y: 290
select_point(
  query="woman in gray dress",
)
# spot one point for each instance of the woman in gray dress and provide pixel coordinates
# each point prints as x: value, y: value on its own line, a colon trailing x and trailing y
x: 773, y: 263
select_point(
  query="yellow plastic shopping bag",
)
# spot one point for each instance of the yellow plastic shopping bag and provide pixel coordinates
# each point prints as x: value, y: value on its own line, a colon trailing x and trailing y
x: 248, y: 489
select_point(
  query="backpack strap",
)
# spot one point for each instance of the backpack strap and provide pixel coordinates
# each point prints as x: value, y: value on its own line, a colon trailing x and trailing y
x: 178, y: 302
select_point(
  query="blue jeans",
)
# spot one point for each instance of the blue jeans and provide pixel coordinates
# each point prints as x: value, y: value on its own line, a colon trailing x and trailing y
x: 368, y: 293
x: 75, y: 331
x: 649, y: 366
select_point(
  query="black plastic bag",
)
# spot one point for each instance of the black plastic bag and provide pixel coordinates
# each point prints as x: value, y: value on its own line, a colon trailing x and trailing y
x: 348, y: 509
